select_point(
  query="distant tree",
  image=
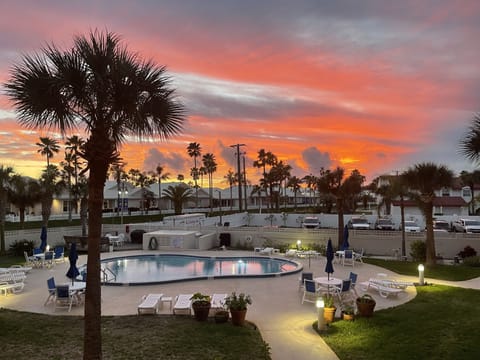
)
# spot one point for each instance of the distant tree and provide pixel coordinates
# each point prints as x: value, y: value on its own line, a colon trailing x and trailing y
x: 470, y: 179
x: 24, y: 192
x: 111, y: 93
x: 160, y: 176
x: 141, y: 179
x: 231, y: 178
x: 210, y: 166
x: 178, y: 195
x: 6, y: 173
x: 295, y: 184
x: 50, y: 185
x: 333, y: 183
x: 423, y: 180
x: 311, y: 182
x: 195, y: 150
x: 48, y: 147
x: 470, y: 144
x: 74, y: 148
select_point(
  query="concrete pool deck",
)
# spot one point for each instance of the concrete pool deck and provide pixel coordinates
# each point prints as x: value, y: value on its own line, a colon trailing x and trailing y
x: 285, y: 324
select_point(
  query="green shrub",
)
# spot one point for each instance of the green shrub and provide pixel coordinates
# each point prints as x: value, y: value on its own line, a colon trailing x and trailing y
x: 19, y: 246
x: 473, y: 261
x: 418, y: 250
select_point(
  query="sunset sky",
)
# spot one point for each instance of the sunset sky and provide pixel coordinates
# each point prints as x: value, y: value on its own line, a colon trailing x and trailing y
x: 372, y: 85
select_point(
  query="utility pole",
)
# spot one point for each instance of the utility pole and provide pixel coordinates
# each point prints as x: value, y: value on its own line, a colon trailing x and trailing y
x: 239, y: 174
x: 245, y: 182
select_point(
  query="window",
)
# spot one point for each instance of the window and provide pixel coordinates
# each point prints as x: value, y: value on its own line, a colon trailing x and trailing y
x: 445, y: 192
x: 66, y: 205
x: 466, y: 192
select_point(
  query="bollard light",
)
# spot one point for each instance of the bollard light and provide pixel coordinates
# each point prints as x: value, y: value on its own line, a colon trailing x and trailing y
x: 321, y: 321
x: 48, y: 248
x: 421, y: 271
x: 299, y: 242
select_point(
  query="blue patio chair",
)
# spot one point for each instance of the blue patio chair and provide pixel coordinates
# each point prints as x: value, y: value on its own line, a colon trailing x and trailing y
x: 310, y: 291
x: 63, y: 297
x: 345, y: 291
x: 353, y: 277
x: 301, y: 279
x: 348, y: 258
x: 58, y: 255
x: 48, y: 260
x: 51, y: 290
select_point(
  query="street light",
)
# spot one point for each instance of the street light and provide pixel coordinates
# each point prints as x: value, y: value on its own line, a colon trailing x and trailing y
x: 321, y: 321
x: 220, y: 204
x: 123, y: 196
x: 421, y: 272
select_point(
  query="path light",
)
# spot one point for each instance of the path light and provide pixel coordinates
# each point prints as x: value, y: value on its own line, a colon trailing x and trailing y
x: 321, y: 321
x: 421, y: 270
x: 299, y: 242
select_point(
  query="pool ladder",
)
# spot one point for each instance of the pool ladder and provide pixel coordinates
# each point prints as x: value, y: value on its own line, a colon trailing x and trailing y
x: 107, y: 275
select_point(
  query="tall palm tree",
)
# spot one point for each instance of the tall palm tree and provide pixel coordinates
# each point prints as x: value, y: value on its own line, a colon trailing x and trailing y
x: 67, y: 173
x: 334, y: 183
x: 231, y: 178
x: 111, y: 93
x: 161, y: 176
x: 295, y: 184
x: 311, y: 182
x: 178, y: 195
x: 6, y: 173
x: 141, y: 179
x: 210, y: 166
x: 265, y: 158
x: 423, y: 180
x: 470, y: 144
x: 194, y: 150
x: 50, y: 185
x: 48, y: 147
x: 74, y: 146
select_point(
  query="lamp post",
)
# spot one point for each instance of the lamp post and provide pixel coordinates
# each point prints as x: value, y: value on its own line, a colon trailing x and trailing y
x: 123, y: 194
x: 220, y: 204
x: 421, y: 271
x: 321, y: 321
x: 299, y: 242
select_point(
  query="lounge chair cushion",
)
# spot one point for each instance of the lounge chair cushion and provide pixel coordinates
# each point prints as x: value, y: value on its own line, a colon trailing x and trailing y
x: 149, y: 304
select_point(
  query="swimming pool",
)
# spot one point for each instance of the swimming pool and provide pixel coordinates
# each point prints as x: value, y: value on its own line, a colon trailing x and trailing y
x: 164, y: 268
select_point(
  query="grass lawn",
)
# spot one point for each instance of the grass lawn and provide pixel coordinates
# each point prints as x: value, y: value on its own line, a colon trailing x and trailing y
x: 37, y: 336
x: 443, y: 272
x: 440, y: 323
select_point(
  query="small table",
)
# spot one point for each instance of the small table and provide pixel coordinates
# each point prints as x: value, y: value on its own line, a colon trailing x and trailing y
x: 166, y: 299
x: 328, y: 283
x: 76, y: 289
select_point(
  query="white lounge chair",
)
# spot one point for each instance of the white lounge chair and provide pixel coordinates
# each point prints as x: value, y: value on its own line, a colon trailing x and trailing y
x: 217, y: 303
x: 266, y: 251
x: 5, y: 287
x: 149, y: 304
x: 385, y: 287
x: 183, y: 305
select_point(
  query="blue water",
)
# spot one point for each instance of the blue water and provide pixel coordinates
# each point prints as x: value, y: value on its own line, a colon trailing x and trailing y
x: 153, y: 269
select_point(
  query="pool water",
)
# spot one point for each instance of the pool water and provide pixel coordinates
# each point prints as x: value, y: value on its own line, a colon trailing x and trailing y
x: 153, y: 269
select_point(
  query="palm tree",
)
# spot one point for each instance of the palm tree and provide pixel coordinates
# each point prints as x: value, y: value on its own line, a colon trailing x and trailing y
x: 74, y: 146
x: 423, y: 180
x: 311, y: 182
x: 178, y: 195
x: 48, y: 147
x: 194, y: 150
x: 231, y: 178
x: 6, y: 173
x: 24, y: 192
x: 160, y: 175
x: 210, y: 166
x: 111, y: 93
x: 49, y: 186
x: 295, y: 184
x: 67, y: 173
x: 141, y: 179
x: 333, y: 183
x: 470, y: 145
x: 470, y: 179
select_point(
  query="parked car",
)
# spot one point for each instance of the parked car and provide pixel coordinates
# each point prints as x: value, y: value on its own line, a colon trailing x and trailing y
x: 466, y: 226
x: 410, y: 226
x: 384, y: 224
x: 358, y: 223
x: 311, y: 222
x: 441, y: 226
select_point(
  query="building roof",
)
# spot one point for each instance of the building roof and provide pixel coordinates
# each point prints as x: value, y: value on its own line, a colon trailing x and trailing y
x: 445, y: 201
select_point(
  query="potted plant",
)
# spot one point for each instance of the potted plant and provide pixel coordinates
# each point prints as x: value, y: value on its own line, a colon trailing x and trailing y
x: 201, y: 306
x: 348, y: 312
x: 365, y: 305
x: 221, y: 316
x: 237, y: 304
x: 329, y: 308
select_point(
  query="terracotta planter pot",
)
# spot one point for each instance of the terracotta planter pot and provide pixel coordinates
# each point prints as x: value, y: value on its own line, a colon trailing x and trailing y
x: 238, y: 317
x: 365, y: 308
x: 348, y: 317
x: 329, y: 314
x: 201, y: 310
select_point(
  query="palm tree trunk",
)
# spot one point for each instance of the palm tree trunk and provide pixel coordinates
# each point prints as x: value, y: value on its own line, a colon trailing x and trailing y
x: 92, y: 331
x: 430, y: 240
x: 340, y: 222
